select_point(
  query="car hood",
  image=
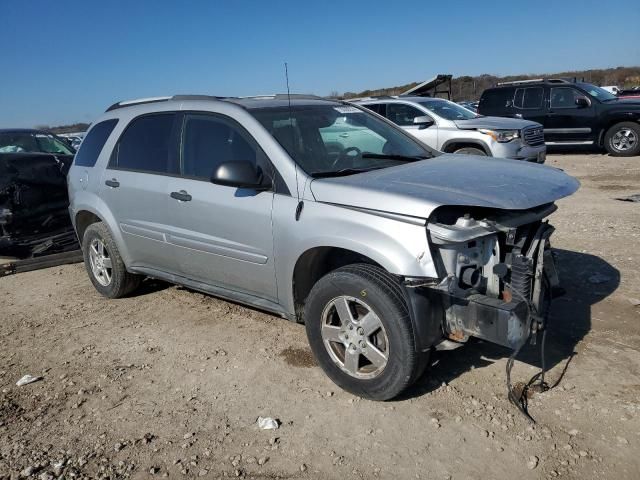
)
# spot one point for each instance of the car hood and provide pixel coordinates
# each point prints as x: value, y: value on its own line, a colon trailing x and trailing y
x: 626, y: 102
x: 418, y: 188
x: 495, y: 123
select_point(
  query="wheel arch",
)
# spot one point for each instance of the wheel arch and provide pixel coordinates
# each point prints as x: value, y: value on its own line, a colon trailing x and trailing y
x: 455, y: 143
x: 315, y: 263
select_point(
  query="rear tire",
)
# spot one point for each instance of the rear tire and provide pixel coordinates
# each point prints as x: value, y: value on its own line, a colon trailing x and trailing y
x: 360, y: 332
x: 623, y: 140
x: 470, y: 151
x: 104, y: 265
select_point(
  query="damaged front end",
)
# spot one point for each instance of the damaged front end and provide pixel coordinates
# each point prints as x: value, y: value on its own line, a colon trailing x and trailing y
x: 497, y: 272
x: 34, y: 216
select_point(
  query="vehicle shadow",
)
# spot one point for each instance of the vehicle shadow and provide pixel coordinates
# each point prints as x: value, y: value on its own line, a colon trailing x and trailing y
x: 150, y: 285
x: 575, y: 149
x: 587, y: 279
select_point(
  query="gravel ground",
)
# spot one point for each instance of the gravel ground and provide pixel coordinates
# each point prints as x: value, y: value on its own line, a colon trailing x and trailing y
x: 170, y: 382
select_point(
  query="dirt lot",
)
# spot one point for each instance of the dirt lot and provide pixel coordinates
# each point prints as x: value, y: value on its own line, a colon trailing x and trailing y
x: 170, y: 382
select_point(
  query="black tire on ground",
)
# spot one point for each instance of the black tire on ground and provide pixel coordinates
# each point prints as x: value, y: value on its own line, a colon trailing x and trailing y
x: 364, y: 287
x: 117, y: 282
x: 470, y: 151
x: 615, y: 143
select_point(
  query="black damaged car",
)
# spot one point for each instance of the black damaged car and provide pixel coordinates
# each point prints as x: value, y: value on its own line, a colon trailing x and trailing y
x: 34, y: 220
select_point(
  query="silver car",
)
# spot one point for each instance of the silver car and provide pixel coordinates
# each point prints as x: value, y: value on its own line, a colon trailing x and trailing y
x: 323, y: 213
x: 451, y: 128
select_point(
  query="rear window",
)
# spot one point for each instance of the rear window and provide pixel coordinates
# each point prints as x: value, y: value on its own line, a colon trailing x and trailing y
x: 495, y: 100
x: 93, y: 143
x: 145, y: 145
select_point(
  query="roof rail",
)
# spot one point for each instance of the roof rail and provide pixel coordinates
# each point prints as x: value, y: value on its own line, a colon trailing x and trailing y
x: 139, y: 101
x: 516, y: 82
x: 372, y: 97
x: 535, y: 80
x: 283, y: 96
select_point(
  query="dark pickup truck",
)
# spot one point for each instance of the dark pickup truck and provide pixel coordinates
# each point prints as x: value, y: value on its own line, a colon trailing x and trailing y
x: 572, y: 113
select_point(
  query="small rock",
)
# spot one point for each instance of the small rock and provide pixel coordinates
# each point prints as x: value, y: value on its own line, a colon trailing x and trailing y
x: 303, y: 468
x: 573, y: 432
x: 458, y: 419
x: 118, y: 446
x: 203, y: 472
x: 27, y: 472
x: 154, y: 470
x: 582, y: 453
x: 263, y: 460
x: 533, y: 462
x: 45, y: 476
x: 622, y: 441
x: 186, y: 436
x: 634, y: 301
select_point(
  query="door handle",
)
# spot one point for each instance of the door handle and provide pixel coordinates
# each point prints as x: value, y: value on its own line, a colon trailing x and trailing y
x: 181, y: 196
x: 344, y: 135
x: 113, y: 183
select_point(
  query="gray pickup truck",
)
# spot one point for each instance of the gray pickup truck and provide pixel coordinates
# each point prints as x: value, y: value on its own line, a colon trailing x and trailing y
x: 324, y: 213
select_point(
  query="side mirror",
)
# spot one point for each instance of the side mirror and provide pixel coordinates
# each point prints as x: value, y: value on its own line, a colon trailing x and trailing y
x: 423, y: 121
x: 582, y: 102
x: 239, y: 174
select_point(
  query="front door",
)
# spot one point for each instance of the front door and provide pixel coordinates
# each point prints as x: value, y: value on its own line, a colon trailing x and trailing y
x: 402, y: 115
x: 223, y: 235
x: 566, y: 121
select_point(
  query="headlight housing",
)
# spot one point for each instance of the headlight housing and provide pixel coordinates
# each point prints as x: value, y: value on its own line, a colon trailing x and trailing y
x: 502, y: 136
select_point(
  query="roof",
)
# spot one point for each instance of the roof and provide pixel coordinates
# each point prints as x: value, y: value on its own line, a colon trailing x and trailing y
x: 253, y: 102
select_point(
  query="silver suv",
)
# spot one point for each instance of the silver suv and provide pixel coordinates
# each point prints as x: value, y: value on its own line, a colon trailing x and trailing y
x: 323, y: 213
x: 451, y: 128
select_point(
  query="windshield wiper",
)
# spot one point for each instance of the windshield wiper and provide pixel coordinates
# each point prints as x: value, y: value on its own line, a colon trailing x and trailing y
x: 382, y: 156
x: 342, y: 172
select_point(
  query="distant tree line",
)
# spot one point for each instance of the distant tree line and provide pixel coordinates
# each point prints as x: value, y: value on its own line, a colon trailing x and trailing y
x: 74, y: 127
x: 470, y: 88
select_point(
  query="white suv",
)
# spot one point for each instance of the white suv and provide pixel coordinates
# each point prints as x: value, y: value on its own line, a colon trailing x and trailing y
x: 451, y: 128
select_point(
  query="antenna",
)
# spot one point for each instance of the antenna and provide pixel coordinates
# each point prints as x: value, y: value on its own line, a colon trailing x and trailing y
x: 293, y: 141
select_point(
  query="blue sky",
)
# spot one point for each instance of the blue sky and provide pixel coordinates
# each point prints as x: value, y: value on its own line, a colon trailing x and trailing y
x: 66, y: 61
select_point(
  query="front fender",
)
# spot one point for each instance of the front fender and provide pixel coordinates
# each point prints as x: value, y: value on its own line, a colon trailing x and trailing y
x: 400, y: 247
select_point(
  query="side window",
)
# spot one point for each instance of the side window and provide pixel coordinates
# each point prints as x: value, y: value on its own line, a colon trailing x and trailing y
x: 528, y: 98
x: 92, y: 144
x: 495, y: 100
x: 209, y: 141
x: 376, y: 107
x: 564, y: 97
x: 401, y: 114
x: 145, y: 145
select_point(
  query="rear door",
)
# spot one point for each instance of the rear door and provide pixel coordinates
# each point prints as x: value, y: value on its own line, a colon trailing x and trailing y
x: 223, y: 235
x: 566, y: 121
x: 135, y: 185
x: 529, y: 103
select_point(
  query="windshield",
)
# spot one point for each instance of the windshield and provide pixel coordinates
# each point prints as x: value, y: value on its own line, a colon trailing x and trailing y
x: 448, y: 110
x: 331, y: 140
x: 597, y: 92
x: 28, y: 142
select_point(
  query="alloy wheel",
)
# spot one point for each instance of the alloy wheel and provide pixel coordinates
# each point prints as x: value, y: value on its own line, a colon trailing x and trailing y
x: 100, y: 261
x: 354, y: 337
x: 624, y: 139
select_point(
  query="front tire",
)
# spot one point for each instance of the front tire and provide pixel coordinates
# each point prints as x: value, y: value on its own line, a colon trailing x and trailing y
x: 471, y: 151
x: 104, y: 265
x: 623, y: 140
x: 360, y: 332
